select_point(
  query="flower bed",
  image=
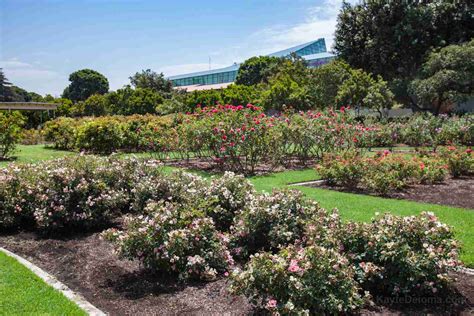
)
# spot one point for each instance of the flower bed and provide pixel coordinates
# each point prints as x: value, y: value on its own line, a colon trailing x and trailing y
x: 296, y: 256
x: 388, y: 172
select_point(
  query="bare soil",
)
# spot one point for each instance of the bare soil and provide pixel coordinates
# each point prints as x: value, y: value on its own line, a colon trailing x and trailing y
x: 88, y: 265
x: 453, y: 192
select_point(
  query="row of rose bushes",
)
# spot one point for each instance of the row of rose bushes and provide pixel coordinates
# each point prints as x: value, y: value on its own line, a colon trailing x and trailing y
x: 240, y: 138
x: 386, y: 172
x: 296, y: 257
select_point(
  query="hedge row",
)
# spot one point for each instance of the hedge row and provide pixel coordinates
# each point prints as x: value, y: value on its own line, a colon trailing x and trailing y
x: 240, y: 138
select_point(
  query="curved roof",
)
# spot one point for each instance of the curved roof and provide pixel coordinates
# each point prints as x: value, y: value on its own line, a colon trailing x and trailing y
x: 283, y: 53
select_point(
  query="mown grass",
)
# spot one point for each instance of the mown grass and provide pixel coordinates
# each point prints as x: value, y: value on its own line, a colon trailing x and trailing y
x: 34, y: 153
x: 24, y: 293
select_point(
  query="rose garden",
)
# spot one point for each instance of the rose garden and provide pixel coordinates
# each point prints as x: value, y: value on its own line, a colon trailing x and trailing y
x: 315, y: 180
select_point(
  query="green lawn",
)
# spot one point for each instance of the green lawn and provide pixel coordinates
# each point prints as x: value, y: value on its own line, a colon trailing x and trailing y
x: 35, y: 153
x: 24, y: 293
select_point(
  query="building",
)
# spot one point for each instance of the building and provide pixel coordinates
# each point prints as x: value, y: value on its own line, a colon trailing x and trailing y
x: 314, y: 53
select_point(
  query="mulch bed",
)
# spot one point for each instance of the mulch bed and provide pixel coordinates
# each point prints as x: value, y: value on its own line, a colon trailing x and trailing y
x: 206, y: 164
x: 89, y: 266
x: 452, y: 192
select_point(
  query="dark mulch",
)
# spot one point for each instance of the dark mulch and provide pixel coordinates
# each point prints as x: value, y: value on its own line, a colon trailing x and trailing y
x: 89, y: 266
x: 453, y: 192
x: 206, y: 164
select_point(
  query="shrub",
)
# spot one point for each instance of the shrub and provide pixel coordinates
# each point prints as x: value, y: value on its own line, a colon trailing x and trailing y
x: 273, y: 221
x: 101, y: 135
x: 69, y: 193
x: 401, y: 255
x: 300, y: 281
x: 227, y: 196
x: 460, y: 161
x: 31, y: 137
x: 10, y: 133
x: 173, y: 238
x: 17, y: 196
x: 382, y: 173
x: 61, y: 132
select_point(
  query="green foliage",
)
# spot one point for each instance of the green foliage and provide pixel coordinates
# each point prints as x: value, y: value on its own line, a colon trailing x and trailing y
x: 325, y: 82
x: 300, y: 281
x: 85, y: 83
x: 128, y: 101
x: 5, y: 87
x: 10, y: 132
x: 148, y: 79
x: 257, y: 70
x: 360, y: 90
x: 288, y: 88
x: 95, y: 105
x: 446, y: 77
x: 392, y: 38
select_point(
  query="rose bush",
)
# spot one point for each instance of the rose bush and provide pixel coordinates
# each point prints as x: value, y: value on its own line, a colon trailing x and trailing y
x: 401, y: 255
x: 272, y: 221
x: 382, y: 173
x: 300, y: 281
x: 173, y: 238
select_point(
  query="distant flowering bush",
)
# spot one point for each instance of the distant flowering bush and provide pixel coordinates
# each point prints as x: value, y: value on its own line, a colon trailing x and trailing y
x: 383, y: 172
x: 300, y: 281
x: 173, y: 238
x: 459, y: 161
x: 401, y: 255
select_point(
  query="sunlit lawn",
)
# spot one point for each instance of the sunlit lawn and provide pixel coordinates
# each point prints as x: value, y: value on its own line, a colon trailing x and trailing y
x: 23, y: 293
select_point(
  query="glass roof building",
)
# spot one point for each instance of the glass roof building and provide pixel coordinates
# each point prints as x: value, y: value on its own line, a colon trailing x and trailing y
x: 314, y: 53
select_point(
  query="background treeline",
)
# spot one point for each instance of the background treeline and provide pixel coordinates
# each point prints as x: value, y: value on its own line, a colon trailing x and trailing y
x: 409, y: 54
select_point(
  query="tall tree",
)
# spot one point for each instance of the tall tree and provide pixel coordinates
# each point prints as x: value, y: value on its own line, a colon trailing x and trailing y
x: 148, y: 79
x: 392, y: 38
x: 257, y: 70
x: 85, y: 83
x: 447, y: 77
x: 5, y: 87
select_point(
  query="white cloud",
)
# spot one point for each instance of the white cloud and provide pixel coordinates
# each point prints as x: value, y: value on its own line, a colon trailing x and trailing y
x: 31, y: 77
x: 320, y: 22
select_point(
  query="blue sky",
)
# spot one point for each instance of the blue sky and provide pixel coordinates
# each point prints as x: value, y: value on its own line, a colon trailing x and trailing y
x: 43, y: 41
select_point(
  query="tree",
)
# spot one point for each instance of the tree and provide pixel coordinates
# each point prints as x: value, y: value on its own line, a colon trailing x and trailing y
x: 447, y: 77
x: 393, y: 38
x: 95, y: 105
x: 289, y: 87
x: 257, y: 70
x: 5, y: 87
x: 85, y: 83
x: 325, y: 82
x: 148, y: 79
x: 128, y: 101
x: 361, y: 90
